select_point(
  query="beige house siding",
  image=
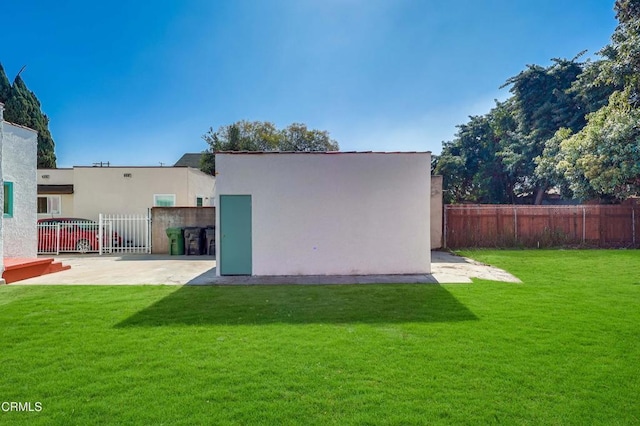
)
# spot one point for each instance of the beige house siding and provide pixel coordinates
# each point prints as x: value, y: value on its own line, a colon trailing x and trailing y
x: 129, y: 190
x: 66, y: 203
x: 62, y: 176
x: 55, y: 176
x: 200, y: 185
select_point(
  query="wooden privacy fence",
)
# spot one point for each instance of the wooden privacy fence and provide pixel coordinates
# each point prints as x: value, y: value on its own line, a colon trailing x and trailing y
x: 606, y: 226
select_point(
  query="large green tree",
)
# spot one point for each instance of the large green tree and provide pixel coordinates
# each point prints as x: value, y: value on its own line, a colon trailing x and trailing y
x: 491, y: 160
x: 263, y: 136
x: 471, y: 164
x: 545, y: 101
x: 5, y: 86
x: 623, y: 65
x: 602, y: 159
x: 23, y: 107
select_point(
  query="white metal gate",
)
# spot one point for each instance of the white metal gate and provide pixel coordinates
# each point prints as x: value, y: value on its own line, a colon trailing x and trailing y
x: 125, y: 233
x: 113, y: 233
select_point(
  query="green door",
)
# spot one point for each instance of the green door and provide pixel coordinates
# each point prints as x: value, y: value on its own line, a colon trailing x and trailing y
x: 235, y: 235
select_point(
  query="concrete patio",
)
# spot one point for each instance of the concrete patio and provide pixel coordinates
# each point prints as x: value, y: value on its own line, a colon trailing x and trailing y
x: 200, y: 270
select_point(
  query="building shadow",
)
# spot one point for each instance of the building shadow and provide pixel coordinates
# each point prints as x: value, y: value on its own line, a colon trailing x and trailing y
x: 317, y: 304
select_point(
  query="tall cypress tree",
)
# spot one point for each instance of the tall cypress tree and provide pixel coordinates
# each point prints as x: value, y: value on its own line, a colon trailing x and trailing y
x: 5, y: 86
x: 23, y: 107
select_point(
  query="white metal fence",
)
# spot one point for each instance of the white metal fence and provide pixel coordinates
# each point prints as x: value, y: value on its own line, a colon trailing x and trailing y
x: 122, y: 233
x: 125, y: 233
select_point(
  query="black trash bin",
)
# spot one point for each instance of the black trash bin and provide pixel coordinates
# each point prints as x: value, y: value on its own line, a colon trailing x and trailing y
x: 193, y: 241
x: 210, y: 240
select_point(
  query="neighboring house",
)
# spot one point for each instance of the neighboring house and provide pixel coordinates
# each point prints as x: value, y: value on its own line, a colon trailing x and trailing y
x: 18, y: 161
x: 85, y: 192
x: 323, y: 213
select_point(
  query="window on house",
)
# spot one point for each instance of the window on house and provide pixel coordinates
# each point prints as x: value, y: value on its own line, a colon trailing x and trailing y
x: 199, y: 201
x: 49, y: 204
x: 8, y: 199
x: 164, y: 200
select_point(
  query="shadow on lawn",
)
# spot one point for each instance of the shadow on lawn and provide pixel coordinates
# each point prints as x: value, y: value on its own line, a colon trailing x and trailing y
x: 246, y: 305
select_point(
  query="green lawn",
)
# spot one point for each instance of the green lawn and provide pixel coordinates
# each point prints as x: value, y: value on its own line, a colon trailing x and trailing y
x: 562, y: 348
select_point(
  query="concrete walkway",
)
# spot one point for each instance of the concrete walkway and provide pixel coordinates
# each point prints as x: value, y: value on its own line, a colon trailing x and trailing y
x: 200, y: 270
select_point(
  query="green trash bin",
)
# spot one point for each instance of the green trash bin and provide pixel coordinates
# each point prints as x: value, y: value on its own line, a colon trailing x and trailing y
x: 176, y: 241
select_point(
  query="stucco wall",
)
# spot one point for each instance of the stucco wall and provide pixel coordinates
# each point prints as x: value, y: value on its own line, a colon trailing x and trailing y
x: 176, y: 217
x: 107, y: 190
x: 19, y: 160
x: 66, y: 204
x: 343, y: 214
x: 200, y: 185
x: 436, y: 212
x: 55, y: 176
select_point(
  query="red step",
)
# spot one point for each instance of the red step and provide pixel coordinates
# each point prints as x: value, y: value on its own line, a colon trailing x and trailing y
x: 17, y: 269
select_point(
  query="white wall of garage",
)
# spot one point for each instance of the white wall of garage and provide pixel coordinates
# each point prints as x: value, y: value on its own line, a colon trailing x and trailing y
x: 333, y: 213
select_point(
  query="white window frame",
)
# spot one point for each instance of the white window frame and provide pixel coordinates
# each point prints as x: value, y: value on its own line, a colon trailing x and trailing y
x: 50, y: 210
x: 156, y: 197
x: 200, y: 197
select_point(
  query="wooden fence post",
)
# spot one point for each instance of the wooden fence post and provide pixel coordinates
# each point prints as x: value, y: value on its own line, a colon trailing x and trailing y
x: 444, y: 238
x: 633, y: 224
x: 584, y: 224
x: 515, y: 223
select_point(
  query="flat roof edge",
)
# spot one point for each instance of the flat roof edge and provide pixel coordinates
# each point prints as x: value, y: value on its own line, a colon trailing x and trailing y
x: 20, y: 126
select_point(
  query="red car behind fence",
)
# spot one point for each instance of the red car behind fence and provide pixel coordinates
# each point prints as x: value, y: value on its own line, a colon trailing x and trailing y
x: 71, y: 234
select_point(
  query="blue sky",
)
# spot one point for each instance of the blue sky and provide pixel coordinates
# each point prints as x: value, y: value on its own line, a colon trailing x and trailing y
x: 139, y: 82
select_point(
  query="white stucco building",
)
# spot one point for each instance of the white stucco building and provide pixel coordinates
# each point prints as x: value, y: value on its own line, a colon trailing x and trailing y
x: 323, y: 213
x: 18, y: 161
x: 85, y: 192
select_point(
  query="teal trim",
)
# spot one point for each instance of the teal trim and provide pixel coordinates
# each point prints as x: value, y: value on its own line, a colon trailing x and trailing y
x: 8, y: 199
x: 235, y: 257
